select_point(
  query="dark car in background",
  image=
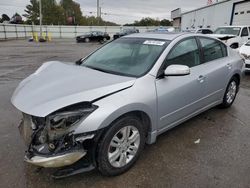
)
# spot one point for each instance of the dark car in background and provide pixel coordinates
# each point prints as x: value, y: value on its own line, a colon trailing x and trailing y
x: 93, y: 36
x: 125, y: 32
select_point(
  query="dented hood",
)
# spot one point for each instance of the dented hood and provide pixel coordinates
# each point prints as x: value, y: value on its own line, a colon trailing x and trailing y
x: 56, y: 85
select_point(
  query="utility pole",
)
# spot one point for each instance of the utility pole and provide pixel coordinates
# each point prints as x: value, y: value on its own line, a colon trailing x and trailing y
x: 100, y: 12
x: 98, y: 4
x: 41, y: 18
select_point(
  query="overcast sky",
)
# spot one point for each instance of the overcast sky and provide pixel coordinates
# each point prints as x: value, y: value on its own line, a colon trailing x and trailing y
x: 119, y: 11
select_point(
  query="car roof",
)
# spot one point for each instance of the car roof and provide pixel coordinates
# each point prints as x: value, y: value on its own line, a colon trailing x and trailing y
x: 163, y: 36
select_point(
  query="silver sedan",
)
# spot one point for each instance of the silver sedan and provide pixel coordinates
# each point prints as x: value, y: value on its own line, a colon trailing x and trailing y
x: 101, y: 111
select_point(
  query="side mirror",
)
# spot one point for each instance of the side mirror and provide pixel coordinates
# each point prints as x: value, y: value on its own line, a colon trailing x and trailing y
x: 79, y: 62
x: 177, y: 70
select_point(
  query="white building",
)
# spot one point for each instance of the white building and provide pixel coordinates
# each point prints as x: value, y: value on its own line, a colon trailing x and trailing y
x: 227, y: 12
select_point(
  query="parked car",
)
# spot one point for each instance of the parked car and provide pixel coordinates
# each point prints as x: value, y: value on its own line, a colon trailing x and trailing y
x: 104, y: 109
x: 125, y: 32
x: 245, y: 52
x: 93, y: 36
x: 201, y: 31
x: 233, y: 36
x: 162, y: 29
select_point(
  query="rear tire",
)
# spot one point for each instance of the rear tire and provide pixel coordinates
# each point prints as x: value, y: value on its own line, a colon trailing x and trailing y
x: 230, y: 93
x: 121, y: 146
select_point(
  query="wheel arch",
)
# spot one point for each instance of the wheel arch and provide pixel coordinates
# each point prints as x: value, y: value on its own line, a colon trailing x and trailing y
x: 143, y: 116
x: 237, y: 76
x: 234, y: 43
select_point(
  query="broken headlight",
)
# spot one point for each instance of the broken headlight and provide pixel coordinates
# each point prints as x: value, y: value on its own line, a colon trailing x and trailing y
x: 70, y: 115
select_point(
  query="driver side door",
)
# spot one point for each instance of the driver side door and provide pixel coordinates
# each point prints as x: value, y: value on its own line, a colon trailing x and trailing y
x: 180, y: 96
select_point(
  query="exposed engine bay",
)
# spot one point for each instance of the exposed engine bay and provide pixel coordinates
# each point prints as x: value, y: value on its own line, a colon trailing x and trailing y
x: 51, y: 140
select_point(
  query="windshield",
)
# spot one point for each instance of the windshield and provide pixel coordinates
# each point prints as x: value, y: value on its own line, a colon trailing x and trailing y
x: 127, y: 56
x: 228, y: 30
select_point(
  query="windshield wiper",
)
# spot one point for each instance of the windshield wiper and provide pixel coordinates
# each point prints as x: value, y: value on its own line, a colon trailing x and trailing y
x: 98, y: 69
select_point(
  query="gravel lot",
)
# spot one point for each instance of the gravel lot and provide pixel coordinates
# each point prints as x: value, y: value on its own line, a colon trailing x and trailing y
x: 221, y: 159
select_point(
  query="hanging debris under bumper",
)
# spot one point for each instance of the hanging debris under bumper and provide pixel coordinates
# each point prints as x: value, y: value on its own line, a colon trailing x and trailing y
x: 56, y: 161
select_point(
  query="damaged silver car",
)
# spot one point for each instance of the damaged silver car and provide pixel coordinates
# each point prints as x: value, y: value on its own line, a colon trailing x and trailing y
x: 100, y: 112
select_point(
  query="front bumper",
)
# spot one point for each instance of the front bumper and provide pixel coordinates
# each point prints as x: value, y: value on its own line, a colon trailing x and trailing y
x: 52, y: 160
x: 56, y: 161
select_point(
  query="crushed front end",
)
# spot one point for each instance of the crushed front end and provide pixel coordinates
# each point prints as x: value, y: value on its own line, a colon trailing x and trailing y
x: 51, y: 141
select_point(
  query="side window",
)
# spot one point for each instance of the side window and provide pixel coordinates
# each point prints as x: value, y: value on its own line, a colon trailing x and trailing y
x: 184, y: 53
x: 212, y: 49
x: 244, y: 32
x: 224, y: 49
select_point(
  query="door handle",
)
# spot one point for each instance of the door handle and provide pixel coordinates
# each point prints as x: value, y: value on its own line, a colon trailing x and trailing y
x: 201, y: 78
x: 229, y: 66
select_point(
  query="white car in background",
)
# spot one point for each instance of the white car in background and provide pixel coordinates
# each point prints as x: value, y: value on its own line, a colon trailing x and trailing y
x: 199, y: 31
x: 233, y: 36
x: 245, y: 52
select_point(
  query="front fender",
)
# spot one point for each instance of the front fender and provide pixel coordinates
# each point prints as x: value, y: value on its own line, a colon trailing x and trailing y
x: 109, y: 112
x: 136, y: 98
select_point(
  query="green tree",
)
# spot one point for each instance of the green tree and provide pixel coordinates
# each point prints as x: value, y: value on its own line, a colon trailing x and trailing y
x: 72, y: 9
x: 66, y: 12
x: 166, y: 22
x: 151, y: 22
x: 5, y: 17
x: 16, y: 19
x: 32, y: 12
x: 51, y: 11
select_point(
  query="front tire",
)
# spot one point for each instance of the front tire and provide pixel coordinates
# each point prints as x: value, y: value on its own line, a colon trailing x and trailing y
x: 121, y: 146
x: 231, y: 92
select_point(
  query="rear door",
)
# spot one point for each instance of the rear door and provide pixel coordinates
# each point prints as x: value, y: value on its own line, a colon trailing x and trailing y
x: 180, y: 96
x: 216, y: 67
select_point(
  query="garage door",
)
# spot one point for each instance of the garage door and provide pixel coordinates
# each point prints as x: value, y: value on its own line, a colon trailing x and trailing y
x: 242, y: 13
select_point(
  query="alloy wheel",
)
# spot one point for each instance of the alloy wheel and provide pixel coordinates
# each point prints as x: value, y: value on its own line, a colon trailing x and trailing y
x: 231, y: 92
x: 123, y: 146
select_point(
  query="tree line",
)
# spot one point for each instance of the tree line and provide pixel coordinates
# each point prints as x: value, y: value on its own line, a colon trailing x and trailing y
x: 68, y: 12
x: 151, y: 22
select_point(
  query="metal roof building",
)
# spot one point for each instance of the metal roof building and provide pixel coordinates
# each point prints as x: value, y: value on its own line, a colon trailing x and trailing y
x: 227, y: 12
